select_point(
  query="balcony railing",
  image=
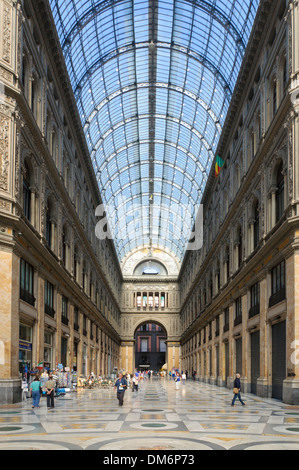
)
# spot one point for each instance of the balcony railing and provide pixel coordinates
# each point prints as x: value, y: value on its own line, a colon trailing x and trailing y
x: 27, y: 297
x: 49, y: 311
x: 277, y: 297
x: 255, y: 310
x: 238, y: 320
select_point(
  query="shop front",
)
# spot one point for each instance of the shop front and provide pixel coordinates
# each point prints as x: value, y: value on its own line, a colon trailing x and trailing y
x: 25, y: 349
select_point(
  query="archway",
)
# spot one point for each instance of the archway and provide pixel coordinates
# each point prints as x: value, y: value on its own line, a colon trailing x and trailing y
x: 150, y: 347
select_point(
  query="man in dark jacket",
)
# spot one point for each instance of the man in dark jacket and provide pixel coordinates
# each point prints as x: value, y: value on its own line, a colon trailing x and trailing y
x: 121, y: 385
x: 237, y: 387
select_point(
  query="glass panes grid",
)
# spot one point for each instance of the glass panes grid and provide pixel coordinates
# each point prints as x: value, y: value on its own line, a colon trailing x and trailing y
x: 161, y: 150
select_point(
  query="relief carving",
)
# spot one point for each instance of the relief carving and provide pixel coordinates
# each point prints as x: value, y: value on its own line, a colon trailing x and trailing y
x: 6, y: 34
x: 4, y: 162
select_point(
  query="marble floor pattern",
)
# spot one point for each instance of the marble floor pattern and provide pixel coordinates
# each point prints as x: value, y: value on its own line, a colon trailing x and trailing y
x: 157, y: 417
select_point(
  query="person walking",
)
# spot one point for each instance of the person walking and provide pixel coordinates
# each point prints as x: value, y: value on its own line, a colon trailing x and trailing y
x: 183, y: 378
x: 50, y: 387
x: 177, y: 380
x: 135, y: 383
x: 237, y: 391
x: 35, y: 388
x: 121, y: 386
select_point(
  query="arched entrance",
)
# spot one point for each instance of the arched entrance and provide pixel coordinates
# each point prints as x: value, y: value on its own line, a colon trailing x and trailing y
x: 150, y: 347
x: 131, y: 323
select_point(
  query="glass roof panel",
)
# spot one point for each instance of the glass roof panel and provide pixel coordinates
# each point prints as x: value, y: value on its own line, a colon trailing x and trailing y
x: 153, y: 81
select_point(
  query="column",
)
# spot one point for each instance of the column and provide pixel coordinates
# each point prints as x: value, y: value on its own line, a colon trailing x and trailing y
x: 173, y: 354
x: 263, y: 382
x: 291, y: 384
x: 71, y: 338
x: 10, y: 383
x: 40, y: 318
x: 230, y: 379
x: 58, y: 329
x: 128, y: 356
x: 245, y: 352
x: 221, y: 378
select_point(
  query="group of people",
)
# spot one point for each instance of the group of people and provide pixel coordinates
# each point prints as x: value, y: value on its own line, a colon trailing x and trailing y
x: 37, y: 387
x: 124, y: 382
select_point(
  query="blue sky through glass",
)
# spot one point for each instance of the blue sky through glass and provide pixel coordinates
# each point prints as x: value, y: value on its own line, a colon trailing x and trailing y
x: 153, y: 81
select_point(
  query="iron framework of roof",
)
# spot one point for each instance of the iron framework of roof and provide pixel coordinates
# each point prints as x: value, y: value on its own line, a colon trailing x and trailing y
x: 153, y: 81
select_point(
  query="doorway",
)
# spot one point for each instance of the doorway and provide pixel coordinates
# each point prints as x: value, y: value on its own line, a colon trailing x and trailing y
x: 150, y: 347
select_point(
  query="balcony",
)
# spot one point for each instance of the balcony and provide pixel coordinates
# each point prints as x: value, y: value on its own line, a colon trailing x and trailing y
x: 238, y: 320
x: 27, y: 297
x: 49, y: 311
x: 255, y: 310
x: 277, y: 297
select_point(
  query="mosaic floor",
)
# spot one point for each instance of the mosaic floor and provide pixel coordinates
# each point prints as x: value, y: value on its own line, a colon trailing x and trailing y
x: 157, y: 417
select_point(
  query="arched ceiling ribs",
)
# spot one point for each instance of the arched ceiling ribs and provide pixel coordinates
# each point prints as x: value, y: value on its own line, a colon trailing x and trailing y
x: 102, y: 60
x: 140, y: 212
x: 156, y: 141
x: 157, y: 179
x: 134, y: 88
x: 101, y: 6
x: 153, y: 80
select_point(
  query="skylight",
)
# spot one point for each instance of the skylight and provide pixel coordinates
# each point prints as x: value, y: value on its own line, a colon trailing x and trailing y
x: 153, y: 82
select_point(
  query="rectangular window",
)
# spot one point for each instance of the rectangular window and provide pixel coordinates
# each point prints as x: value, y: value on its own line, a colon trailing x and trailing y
x: 26, y: 282
x: 226, y: 320
x: 49, y: 299
x: 144, y: 345
x: 26, y: 200
x: 238, y: 311
x: 84, y: 325
x: 162, y: 345
x: 64, y: 310
x: 254, y: 300
x: 278, y: 284
x: 76, y: 319
x: 217, y: 326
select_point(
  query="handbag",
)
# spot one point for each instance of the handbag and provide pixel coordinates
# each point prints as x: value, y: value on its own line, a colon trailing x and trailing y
x: 236, y: 391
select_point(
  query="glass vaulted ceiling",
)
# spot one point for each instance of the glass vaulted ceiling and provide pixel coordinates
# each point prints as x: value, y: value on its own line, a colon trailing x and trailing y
x: 153, y: 81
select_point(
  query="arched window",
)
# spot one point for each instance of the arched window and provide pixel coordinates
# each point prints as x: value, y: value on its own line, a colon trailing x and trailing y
x: 226, y: 261
x: 26, y: 193
x: 279, y: 193
x: 256, y: 225
x: 24, y: 76
x: 239, y: 245
x: 65, y: 245
x: 48, y: 224
x: 76, y: 263
x: 84, y: 277
x: 33, y: 96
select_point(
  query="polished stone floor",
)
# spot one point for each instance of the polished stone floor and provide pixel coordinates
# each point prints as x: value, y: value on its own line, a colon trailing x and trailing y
x: 157, y: 417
